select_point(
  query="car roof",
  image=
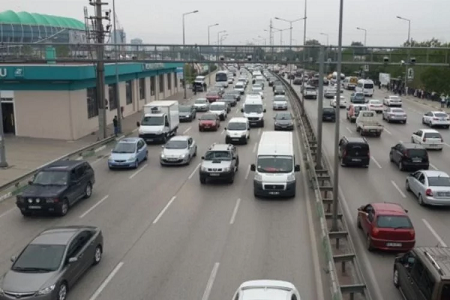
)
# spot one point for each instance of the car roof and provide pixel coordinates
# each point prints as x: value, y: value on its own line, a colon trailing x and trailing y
x: 238, y: 119
x: 220, y: 147
x: 426, y: 130
x: 351, y: 139
x: 129, y: 140
x: 433, y: 173
x: 266, y: 289
x: 389, y: 208
x: 438, y: 112
x: 180, y: 138
x: 440, y: 259
x: 412, y: 146
x: 58, y: 235
x: 219, y: 102
x: 203, y: 99
x: 64, y: 165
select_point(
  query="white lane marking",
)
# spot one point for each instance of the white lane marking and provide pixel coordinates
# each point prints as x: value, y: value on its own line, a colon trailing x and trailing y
x: 186, y: 131
x: 349, y: 130
x: 434, y: 167
x: 120, y: 137
x: 94, y: 206
x: 79, y: 158
x: 254, y: 148
x: 193, y: 172
x: 164, y: 209
x: 237, y: 110
x: 400, y: 141
x: 376, y: 162
x: 434, y: 233
x: 138, y: 171
x: 233, y: 216
x: 446, y: 144
x: 259, y: 131
x: 97, y: 160
x: 387, y: 131
x: 107, y: 280
x: 223, y: 131
x: 247, y: 173
x: 398, y: 189
x: 136, y: 129
x: 7, y: 212
x: 100, y: 148
x: 210, y: 283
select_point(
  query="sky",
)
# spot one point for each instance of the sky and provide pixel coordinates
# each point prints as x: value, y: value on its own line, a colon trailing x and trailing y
x: 160, y: 21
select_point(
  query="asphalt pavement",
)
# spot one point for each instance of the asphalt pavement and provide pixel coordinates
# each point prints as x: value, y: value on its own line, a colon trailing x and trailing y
x: 169, y: 237
x: 382, y: 181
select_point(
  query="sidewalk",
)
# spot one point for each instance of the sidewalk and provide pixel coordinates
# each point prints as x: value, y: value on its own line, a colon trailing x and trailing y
x: 26, y: 154
x: 432, y: 104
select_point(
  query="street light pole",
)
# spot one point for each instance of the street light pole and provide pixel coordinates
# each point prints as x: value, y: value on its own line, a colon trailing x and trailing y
x: 117, y: 88
x: 304, y: 54
x: 326, y: 34
x: 334, y: 223
x: 365, y: 34
x: 184, y: 43
x: 409, y: 42
x: 209, y: 43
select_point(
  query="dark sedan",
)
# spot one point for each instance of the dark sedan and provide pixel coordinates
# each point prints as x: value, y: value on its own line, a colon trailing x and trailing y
x: 230, y: 99
x: 329, y: 114
x: 283, y: 121
x: 187, y: 113
x: 237, y: 94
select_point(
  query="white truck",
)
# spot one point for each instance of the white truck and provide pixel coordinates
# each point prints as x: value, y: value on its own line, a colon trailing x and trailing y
x: 160, y: 121
x: 254, y: 110
x: 367, y: 124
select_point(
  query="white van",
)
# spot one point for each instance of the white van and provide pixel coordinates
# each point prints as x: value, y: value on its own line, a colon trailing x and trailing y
x: 275, y: 165
x: 254, y: 110
x: 365, y: 86
x: 237, y: 131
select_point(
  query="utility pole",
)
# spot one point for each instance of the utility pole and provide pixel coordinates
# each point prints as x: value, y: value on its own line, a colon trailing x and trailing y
x: 117, y: 96
x: 304, y: 55
x: 100, y: 34
x: 271, y: 33
x: 320, y: 109
x: 3, y: 163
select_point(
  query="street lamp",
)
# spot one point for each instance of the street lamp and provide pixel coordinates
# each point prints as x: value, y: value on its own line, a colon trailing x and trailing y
x: 290, y: 25
x: 218, y: 41
x: 326, y: 34
x: 409, y: 42
x: 184, y: 43
x: 209, y: 27
x: 209, y: 42
x: 409, y: 28
x: 365, y: 34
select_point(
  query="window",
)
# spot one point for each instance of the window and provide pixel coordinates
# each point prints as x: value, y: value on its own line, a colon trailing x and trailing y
x: 141, y: 88
x: 161, y: 83
x: 112, y: 96
x: 92, y: 103
x: 176, y: 79
x: 129, y: 92
x: 423, y: 279
x: 152, y: 85
x: 169, y: 81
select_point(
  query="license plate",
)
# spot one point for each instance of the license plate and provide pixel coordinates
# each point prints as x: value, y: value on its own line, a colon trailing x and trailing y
x: 274, y: 193
x: 393, y: 244
x: 172, y: 159
x: 34, y: 207
x: 417, y: 160
x: 149, y: 140
x: 355, y: 159
x: 283, y: 126
x: 214, y: 174
x: 372, y: 130
x: 235, y: 140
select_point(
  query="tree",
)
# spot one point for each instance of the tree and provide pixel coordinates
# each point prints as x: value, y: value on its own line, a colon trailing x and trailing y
x: 436, y: 80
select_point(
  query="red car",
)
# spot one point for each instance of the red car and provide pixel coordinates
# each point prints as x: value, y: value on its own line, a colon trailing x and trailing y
x: 212, y: 96
x: 209, y: 121
x: 386, y: 226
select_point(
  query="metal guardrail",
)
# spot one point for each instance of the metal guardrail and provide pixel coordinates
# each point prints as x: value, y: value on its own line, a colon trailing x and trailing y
x: 14, y: 187
x: 320, y: 181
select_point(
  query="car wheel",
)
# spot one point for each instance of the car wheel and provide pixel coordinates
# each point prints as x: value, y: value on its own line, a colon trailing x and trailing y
x: 88, y: 190
x: 369, y: 243
x: 408, y: 188
x: 136, y: 164
x: 62, y: 291
x: 64, y: 208
x: 395, y: 278
x: 98, y: 255
x: 231, y: 179
x: 421, y: 200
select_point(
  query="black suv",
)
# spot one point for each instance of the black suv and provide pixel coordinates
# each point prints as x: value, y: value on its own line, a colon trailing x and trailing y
x: 409, y: 156
x: 423, y: 273
x: 56, y: 187
x: 354, y: 151
x: 329, y: 114
x: 221, y: 162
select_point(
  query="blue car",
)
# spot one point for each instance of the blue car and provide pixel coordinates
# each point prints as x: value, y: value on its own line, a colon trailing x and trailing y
x: 128, y: 153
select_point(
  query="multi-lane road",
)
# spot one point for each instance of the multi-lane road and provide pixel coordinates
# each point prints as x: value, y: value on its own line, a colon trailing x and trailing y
x: 382, y: 181
x: 169, y: 237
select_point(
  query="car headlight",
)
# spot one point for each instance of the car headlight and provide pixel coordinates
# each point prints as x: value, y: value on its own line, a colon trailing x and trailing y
x: 203, y: 169
x: 182, y: 155
x: 46, y: 290
x: 227, y: 169
x: 290, y: 178
x: 258, y: 177
x: 131, y: 159
x: 162, y: 155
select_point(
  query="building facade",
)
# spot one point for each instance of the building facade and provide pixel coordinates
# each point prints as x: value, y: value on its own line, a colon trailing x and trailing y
x: 60, y: 101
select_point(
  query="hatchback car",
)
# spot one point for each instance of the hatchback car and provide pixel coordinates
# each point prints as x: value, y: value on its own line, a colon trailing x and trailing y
x: 386, y: 226
x: 221, y: 162
x: 213, y: 96
x: 283, y: 121
x: 128, y: 153
x: 279, y: 90
x: 429, y: 138
x: 409, y: 156
x: 436, y: 119
x: 240, y: 87
x: 354, y: 151
x: 201, y: 104
x: 395, y: 115
x: 358, y: 98
x: 329, y: 114
x: 179, y: 150
x: 52, y: 263
x: 392, y: 101
x: 376, y: 105
x: 187, y: 113
x: 57, y: 187
x: 280, y: 103
x: 342, y: 103
x: 430, y: 187
x: 219, y: 108
x: 267, y: 289
x: 209, y: 121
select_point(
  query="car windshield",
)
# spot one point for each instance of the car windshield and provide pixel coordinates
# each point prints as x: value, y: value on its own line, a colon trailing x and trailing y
x: 216, y: 107
x: 439, y: 181
x: 51, y: 178
x: 394, y: 97
x: 218, y: 155
x: 329, y: 110
x: 275, y: 164
x: 212, y: 94
x: 184, y: 108
x: 278, y: 98
x: 218, y: 85
x: 39, y: 258
x: 393, y: 222
x: 258, y: 87
x: 398, y: 111
x: 375, y: 102
x: 368, y: 86
x: 152, y: 121
x: 417, y: 152
x: 283, y: 117
x: 255, y: 108
x: 208, y: 117
x: 440, y: 115
x: 239, y: 86
x: 176, y: 145
x: 359, y: 95
x: 124, y: 148
x: 237, y: 126
x: 201, y: 101
x: 432, y: 135
x: 310, y: 89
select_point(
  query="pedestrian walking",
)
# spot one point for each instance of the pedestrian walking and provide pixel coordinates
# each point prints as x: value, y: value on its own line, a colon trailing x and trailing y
x: 116, y: 125
x: 443, y: 101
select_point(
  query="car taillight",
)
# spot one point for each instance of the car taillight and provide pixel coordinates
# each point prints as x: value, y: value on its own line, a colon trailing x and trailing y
x: 375, y: 231
x: 412, y: 233
x: 429, y: 192
x: 344, y: 154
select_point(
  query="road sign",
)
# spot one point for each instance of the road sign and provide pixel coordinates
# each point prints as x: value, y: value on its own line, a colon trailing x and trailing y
x: 366, y: 68
x: 410, y: 73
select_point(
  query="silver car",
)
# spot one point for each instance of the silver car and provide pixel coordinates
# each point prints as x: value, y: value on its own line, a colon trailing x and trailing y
x: 391, y: 114
x: 430, y: 187
x: 179, y: 150
x: 52, y: 262
x: 201, y: 104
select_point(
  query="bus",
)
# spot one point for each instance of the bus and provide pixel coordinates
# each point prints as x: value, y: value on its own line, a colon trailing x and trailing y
x: 222, y: 77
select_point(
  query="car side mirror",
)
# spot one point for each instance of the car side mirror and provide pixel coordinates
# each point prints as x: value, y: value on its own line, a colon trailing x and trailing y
x: 30, y: 182
x: 297, y: 168
x: 203, y: 157
x: 264, y: 110
x: 242, y: 110
x: 234, y: 157
x: 162, y: 146
x: 253, y: 167
x: 13, y: 258
x: 72, y: 260
x: 411, y: 174
x: 224, y: 128
x: 138, y: 124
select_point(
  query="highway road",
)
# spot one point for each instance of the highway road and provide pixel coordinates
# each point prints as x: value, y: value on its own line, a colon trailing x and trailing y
x: 382, y: 181
x: 169, y: 237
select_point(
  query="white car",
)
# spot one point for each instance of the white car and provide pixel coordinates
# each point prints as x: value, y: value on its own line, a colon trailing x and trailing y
x: 201, y: 104
x: 179, y: 150
x: 280, y: 103
x: 220, y: 109
x: 392, y: 101
x: 436, y: 118
x: 342, y: 104
x: 240, y: 87
x: 394, y: 114
x: 230, y: 80
x: 429, y: 138
x: 330, y: 92
x: 267, y: 289
x: 237, y: 131
x: 257, y: 87
x: 376, y: 106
